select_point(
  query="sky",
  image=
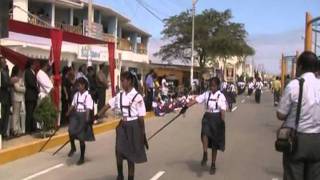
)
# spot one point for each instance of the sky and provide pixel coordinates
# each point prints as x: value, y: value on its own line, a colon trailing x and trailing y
x: 274, y: 26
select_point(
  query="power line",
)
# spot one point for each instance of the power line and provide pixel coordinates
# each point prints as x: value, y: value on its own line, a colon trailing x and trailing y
x: 150, y: 11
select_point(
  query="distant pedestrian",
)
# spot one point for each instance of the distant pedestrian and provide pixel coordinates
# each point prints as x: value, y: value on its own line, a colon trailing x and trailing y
x: 258, y: 90
x: 304, y: 162
x: 276, y: 85
x: 250, y: 87
x: 80, y: 125
x: 130, y: 133
x: 231, y: 95
x: 213, y: 121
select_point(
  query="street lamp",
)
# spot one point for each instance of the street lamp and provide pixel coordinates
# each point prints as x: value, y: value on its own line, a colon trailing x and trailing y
x: 194, y: 2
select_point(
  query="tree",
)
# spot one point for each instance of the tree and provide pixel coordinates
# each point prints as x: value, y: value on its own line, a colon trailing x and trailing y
x: 216, y: 36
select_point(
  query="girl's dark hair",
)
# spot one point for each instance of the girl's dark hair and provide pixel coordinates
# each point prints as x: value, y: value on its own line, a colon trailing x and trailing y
x: 15, y: 71
x: 132, y: 77
x: 83, y: 81
x: 216, y: 80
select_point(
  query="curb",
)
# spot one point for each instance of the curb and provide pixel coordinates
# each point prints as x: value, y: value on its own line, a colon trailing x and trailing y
x: 30, y: 148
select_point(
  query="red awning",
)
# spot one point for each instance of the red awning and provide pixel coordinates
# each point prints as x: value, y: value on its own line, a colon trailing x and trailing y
x: 14, y: 57
x: 57, y: 36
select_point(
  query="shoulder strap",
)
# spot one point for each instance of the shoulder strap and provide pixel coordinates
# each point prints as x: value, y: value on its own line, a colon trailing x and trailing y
x: 134, y: 97
x: 301, y: 82
x: 208, y: 100
x: 121, y: 102
x: 217, y: 101
x: 129, y: 108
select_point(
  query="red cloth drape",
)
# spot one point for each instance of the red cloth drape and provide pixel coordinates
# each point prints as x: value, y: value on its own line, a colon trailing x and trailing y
x: 112, y: 66
x: 16, y: 58
x: 56, y: 43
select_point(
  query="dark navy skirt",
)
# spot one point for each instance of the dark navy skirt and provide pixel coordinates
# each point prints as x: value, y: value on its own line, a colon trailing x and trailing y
x: 79, y: 128
x: 130, y: 141
x: 214, y: 128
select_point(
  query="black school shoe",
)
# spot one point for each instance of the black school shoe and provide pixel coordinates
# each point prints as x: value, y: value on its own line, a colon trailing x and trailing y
x: 80, y: 162
x: 120, y: 177
x: 204, y: 159
x: 71, y: 152
x: 213, y: 169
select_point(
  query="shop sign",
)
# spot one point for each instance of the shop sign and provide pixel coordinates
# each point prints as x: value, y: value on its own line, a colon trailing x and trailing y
x: 95, y: 53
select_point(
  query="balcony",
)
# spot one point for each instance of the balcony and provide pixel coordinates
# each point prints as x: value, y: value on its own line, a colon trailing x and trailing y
x: 69, y: 28
x: 32, y: 19
x: 108, y: 37
x: 124, y: 44
x: 141, y: 49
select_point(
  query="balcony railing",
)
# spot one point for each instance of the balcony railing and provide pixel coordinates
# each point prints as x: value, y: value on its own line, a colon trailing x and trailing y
x: 124, y: 44
x: 32, y: 19
x: 141, y: 49
x: 108, y: 37
x: 69, y: 28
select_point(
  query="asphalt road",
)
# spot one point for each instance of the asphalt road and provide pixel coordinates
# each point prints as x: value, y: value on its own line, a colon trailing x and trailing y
x: 175, y: 153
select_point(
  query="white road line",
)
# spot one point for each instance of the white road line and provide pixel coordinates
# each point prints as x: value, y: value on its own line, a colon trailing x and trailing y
x: 243, y: 100
x: 158, y: 175
x: 43, y: 172
x: 274, y: 179
x: 235, y: 108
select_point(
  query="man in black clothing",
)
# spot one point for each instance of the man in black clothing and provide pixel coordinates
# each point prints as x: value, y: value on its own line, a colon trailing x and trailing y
x: 4, y: 98
x: 31, y: 95
x: 102, y: 85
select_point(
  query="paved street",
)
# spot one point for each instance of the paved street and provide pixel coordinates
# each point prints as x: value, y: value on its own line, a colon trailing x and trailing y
x: 177, y: 152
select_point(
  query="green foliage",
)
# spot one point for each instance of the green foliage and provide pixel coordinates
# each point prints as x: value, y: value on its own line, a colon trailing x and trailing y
x: 216, y: 36
x: 46, y: 114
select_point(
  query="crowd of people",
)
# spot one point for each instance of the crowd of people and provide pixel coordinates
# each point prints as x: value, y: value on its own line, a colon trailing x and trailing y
x: 24, y: 88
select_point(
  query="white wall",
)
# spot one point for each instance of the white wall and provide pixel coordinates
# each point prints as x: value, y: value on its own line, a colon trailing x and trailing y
x: 18, y: 14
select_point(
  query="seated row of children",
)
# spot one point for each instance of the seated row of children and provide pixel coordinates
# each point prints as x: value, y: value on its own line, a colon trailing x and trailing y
x: 167, y: 104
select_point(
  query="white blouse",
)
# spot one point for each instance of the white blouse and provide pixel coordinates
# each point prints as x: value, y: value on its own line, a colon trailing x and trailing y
x: 215, y: 104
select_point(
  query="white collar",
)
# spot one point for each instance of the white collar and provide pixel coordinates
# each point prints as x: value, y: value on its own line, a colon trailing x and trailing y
x: 308, y: 75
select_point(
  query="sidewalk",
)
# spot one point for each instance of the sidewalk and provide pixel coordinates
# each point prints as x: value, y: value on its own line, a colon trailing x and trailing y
x: 27, y: 145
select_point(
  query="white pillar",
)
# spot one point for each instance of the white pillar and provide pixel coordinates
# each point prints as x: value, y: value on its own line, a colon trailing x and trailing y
x: 20, y: 14
x: 71, y: 16
x: 53, y: 14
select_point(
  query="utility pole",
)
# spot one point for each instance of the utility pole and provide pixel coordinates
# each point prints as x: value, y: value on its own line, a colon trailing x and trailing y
x: 308, y: 33
x: 194, y: 2
x: 90, y: 20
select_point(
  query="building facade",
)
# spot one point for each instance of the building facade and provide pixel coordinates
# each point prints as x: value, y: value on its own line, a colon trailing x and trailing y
x: 72, y: 16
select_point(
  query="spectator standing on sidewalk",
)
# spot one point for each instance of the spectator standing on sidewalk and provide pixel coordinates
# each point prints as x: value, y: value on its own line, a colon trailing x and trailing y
x: 102, y: 85
x: 43, y: 79
x: 31, y: 95
x: 4, y: 98
x: 304, y: 163
x: 164, y: 88
x: 149, y: 90
x: 18, y: 104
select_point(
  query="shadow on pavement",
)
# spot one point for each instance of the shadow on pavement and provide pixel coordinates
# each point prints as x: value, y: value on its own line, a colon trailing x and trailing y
x: 108, y: 177
x: 195, y: 167
x: 274, y: 172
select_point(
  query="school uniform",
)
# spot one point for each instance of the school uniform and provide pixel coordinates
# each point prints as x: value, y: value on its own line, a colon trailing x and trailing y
x: 212, y: 124
x: 258, y: 86
x: 79, y: 126
x: 250, y: 88
x: 129, y: 137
